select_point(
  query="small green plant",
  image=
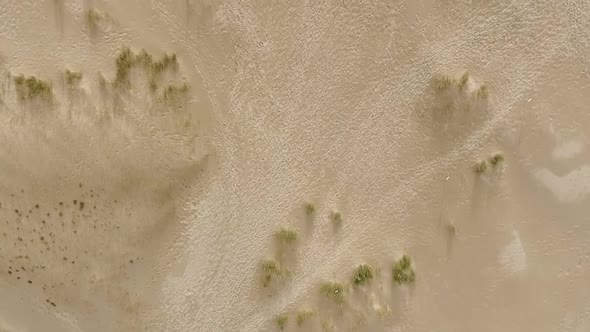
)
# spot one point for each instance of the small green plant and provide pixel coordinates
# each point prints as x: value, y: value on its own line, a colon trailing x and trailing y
x: 304, y: 315
x: 362, y: 275
x: 167, y: 61
x: 125, y: 60
x: 327, y: 326
x: 309, y: 208
x: 482, y: 92
x: 481, y: 166
x: 72, y: 77
x: 464, y: 80
x: 334, y: 291
x: 271, y: 270
x: 336, y: 217
x: 282, y: 320
x: 496, y: 159
x: 173, y: 92
x: 102, y: 81
x: 403, y: 271
x: 287, y: 235
x: 451, y: 229
x: 31, y: 87
x: 93, y: 18
x: 443, y: 82
x: 144, y: 58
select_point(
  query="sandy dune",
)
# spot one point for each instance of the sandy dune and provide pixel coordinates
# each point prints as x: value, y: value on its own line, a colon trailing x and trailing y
x: 149, y: 191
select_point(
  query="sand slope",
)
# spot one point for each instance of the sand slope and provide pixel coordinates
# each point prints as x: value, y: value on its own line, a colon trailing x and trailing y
x: 331, y: 102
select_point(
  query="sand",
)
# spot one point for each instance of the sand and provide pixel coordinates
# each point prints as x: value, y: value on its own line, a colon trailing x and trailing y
x: 126, y: 208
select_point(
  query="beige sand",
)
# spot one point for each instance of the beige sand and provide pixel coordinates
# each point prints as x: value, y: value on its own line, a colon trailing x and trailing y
x: 157, y: 216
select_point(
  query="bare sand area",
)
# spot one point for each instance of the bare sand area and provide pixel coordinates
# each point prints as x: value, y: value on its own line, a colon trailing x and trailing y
x: 294, y: 165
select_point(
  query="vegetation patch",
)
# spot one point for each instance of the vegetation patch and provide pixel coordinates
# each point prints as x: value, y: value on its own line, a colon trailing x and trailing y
x: 482, y: 92
x: 93, y: 18
x: 172, y: 92
x: 282, y: 321
x: 443, y: 83
x: 334, y: 291
x: 362, y: 275
x: 72, y: 77
x: 153, y: 68
x: 309, y: 208
x: 287, y: 235
x: 271, y: 270
x: 403, y: 272
x: 496, y: 159
x: 31, y: 87
x: 463, y: 80
x: 451, y: 229
x: 336, y: 217
x: 480, y: 167
x: 303, y: 316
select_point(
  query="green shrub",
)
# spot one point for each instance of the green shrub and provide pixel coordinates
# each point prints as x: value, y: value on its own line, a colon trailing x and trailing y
x: 287, y: 235
x: 334, y: 291
x: 443, y: 82
x: 127, y: 60
x: 496, y: 159
x: 173, y: 92
x: 451, y: 229
x: 72, y: 77
x: 31, y: 87
x: 481, y: 167
x: 93, y: 18
x: 464, y: 80
x: 362, y: 275
x: 482, y: 92
x: 304, y: 315
x: 309, y: 208
x: 403, y: 271
x: 282, y: 320
x: 336, y: 217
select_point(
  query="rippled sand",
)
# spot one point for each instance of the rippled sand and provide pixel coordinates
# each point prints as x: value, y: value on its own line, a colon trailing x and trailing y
x: 149, y: 197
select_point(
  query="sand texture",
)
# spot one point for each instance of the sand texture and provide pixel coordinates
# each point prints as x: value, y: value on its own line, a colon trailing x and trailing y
x: 185, y: 165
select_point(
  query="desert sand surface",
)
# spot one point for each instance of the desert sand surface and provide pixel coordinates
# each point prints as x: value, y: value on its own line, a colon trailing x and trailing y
x: 184, y: 165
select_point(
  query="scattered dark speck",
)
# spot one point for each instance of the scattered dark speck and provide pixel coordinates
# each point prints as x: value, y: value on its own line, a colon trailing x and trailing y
x: 65, y: 258
x: 81, y: 206
x: 20, y: 238
x: 60, y: 214
x: 131, y: 261
x: 18, y: 278
x: 16, y: 211
x: 61, y: 203
x: 80, y: 185
x: 75, y: 201
x: 29, y: 281
x: 9, y: 272
x: 36, y: 206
